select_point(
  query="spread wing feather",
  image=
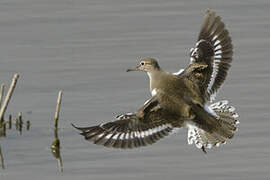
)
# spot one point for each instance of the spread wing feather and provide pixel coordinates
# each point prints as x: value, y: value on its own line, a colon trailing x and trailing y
x: 151, y: 123
x: 214, y: 48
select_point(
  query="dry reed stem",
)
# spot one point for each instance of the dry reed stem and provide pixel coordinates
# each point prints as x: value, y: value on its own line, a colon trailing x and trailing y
x: 8, y: 96
x: 56, y: 117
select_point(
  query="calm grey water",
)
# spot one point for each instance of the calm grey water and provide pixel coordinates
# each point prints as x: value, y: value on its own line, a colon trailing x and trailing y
x: 84, y: 47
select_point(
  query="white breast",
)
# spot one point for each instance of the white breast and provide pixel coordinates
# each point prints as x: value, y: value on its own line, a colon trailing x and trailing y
x: 154, y: 92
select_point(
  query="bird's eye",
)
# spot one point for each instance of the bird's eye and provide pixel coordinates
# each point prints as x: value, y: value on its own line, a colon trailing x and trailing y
x: 142, y: 63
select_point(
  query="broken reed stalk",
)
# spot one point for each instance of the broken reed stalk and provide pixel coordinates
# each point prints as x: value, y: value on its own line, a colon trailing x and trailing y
x: 2, y: 93
x: 1, y: 99
x: 2, y: 158
x: 56, y: 117
x: 8, y: 96
x: 56, y: 143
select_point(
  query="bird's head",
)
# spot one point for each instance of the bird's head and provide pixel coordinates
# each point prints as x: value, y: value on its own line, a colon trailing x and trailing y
x: 147, y: 65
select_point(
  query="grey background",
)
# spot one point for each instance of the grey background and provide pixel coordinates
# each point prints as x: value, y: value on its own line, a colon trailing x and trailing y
x: 84, y: 47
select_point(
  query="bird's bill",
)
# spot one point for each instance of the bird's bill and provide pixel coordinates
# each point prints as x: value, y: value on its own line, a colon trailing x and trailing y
x: 134, y: 69
x: 128, y: 70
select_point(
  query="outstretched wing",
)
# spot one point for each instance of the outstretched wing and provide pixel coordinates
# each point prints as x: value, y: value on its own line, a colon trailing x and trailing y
x: 214, y: 49
x: 151, y: 123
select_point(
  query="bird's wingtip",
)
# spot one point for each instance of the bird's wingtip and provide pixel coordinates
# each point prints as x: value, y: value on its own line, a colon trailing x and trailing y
x: 73, y: 125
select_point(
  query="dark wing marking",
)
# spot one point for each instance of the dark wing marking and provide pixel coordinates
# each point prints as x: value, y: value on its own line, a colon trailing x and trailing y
x: 151, y: 123
x: 215, y: 49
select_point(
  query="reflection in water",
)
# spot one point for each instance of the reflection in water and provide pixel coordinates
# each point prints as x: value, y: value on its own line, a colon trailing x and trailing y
x: 28, y: 125
x: 3, y: 128
x: 20, y: 123
x: 55, y: 147
x: 9, y: 121
x: 2, y: 158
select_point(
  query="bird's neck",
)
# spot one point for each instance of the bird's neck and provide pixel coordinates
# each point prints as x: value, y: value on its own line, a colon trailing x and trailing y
x: 155, y: 77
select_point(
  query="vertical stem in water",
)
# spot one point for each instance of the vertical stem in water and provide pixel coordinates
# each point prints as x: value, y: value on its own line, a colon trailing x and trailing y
x: 56, y: 117
x: 2, y: 93
x: 8, y: 96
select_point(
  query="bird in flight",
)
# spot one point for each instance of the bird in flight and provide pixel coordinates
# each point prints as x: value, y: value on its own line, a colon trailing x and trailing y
x: 179, y: 100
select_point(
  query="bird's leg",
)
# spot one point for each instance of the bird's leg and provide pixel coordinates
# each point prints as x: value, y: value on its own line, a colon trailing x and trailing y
x: 203, y: 149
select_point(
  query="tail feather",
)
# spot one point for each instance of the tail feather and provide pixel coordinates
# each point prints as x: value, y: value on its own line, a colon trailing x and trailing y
x: 226, y: 118
x: 214, y: 139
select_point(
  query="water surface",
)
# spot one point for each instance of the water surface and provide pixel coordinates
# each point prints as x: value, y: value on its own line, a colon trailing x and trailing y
x: 84, y: 47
